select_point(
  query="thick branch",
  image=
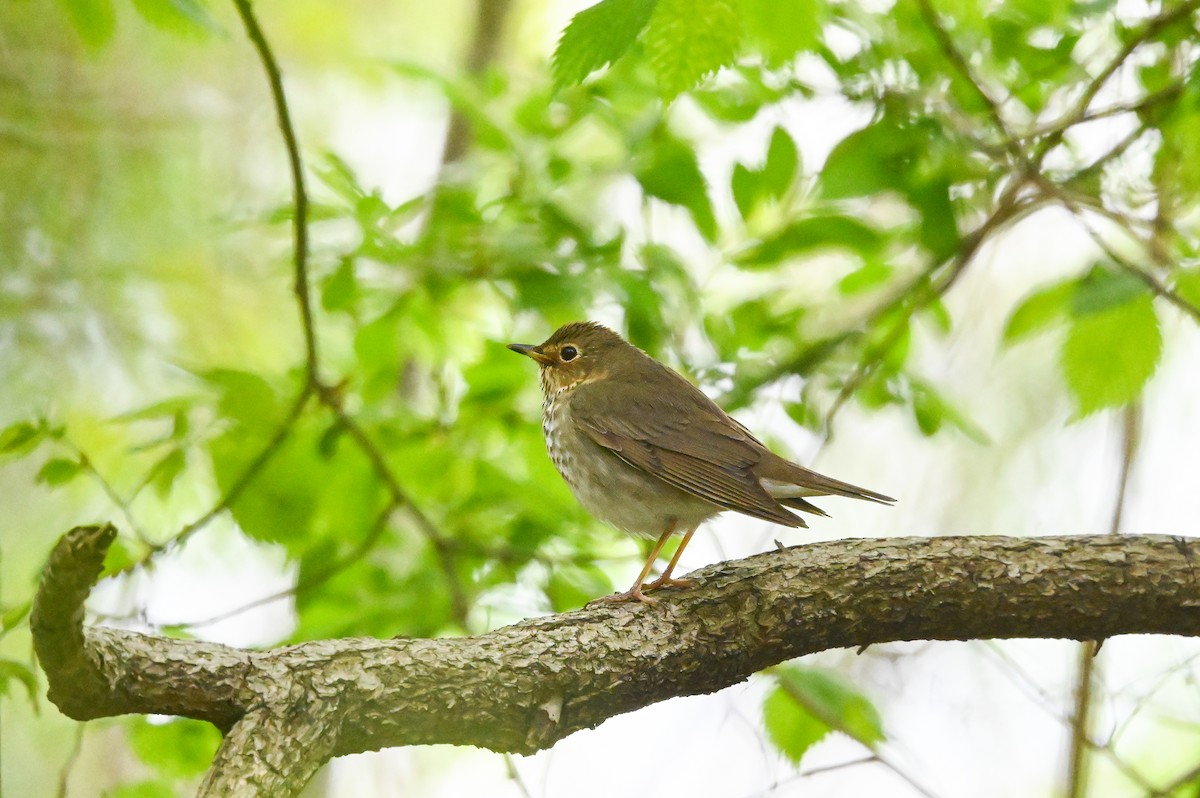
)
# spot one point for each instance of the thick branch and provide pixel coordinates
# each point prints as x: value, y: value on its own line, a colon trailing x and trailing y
x: 523, y: 687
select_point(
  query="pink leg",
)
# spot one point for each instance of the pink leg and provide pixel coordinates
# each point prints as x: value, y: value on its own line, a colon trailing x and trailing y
x: 665, y: 580
x: 635, y: 593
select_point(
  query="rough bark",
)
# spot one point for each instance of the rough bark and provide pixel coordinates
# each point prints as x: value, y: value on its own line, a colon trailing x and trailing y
x: 523, y: 687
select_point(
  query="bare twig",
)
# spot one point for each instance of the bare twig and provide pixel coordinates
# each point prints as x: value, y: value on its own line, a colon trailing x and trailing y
x: 1145, y: 103
x: 1048, y: 704
x: 1080, y: 725
x: 310, y: 581
x: 490, y: 16
x: 299, y: 192
x: 121, y: 503
x: 510, y: 764
x: 68, y: 765
x: 1085, y: 676
x: 441, y: 545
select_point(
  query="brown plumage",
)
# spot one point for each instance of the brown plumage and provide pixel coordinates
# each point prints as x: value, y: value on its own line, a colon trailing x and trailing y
x: 645, y: 450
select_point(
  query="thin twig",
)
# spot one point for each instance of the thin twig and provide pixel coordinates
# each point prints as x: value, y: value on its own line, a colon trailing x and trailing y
x: 1081, y: 717
x: 514, y: 775
x: 1155, y: 285
x: 441, y: 544
x: 118, y: 501
x: 921, y: 291
x: 1085, y: 676
x: 306, y: 583
x: 833, y: 722
x: 299, y: 192
x: 1145, y: 103
x: 1132, y: 42
x: 246, y: 477
x: 959, y: 62
x: 64, y: 773
x: 1048, y: 704
x: 330, y: 395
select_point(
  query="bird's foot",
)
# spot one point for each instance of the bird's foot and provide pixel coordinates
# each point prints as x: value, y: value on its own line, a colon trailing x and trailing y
x: 668, y: 581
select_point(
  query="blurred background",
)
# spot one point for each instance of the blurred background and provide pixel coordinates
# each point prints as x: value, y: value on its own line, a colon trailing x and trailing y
x: 947, y: 252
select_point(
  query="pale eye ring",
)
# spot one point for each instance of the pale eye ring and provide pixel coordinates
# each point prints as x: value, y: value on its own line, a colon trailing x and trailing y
x: 568, y: 353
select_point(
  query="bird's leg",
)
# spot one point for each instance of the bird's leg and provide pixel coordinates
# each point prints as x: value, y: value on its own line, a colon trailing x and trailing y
x: 665, y: 580
x: 635, y: 593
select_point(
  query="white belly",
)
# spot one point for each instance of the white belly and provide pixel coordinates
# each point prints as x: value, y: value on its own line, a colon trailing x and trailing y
x: 611, y: 489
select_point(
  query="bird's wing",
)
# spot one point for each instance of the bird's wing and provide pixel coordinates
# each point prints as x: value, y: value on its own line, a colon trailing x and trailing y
x: 681, y: 437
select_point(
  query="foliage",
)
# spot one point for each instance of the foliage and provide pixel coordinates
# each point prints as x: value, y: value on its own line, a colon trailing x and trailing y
x: 400, y: 464
x: 807, y: 704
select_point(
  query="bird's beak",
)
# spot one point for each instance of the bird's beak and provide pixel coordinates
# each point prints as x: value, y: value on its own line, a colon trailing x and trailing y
x: 529, y: 350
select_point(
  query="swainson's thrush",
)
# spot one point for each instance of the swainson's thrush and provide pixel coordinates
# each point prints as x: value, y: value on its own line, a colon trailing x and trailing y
x: 646, y: 451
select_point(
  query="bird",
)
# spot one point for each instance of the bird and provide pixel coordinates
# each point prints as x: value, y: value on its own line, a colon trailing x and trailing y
x: 649, y: 453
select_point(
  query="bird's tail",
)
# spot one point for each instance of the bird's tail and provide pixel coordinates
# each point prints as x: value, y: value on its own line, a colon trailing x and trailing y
x: 790, y: 484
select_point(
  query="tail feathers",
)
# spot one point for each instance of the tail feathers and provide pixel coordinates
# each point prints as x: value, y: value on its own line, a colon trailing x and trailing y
x: 789, y: 481
x: 800, y: 504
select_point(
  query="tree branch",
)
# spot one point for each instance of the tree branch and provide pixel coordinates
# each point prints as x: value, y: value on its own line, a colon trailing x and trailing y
x: 526, y: 686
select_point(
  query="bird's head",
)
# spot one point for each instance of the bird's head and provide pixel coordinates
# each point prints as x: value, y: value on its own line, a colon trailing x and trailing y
x: 579, y: 352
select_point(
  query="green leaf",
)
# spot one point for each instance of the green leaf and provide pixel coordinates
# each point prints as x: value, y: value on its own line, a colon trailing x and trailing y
x: 10, y: 671
x: 687, y: 40
x: 1109, y: 355
x: 246, y: 397
x: 912, y: 159
x: 1186, y: 283
x: 340, y: 291
x: 745, y: 184
x: 790, y: 727
x: 598, y: 36
x: 1102, y: 288
x: 59, y: 471
x: 750, y: 186
x: 95, y: 21
x: 782, y: 162
x: 168, y: 470
x: 783, y: 28
x: 119, y: 558
x: 143, y: 789
x: 14, y: 615
x: 938, y: 314
x: 21, y: 438
x: 809, y: 703
x: 183, y: 17
x: 1039, y: 310
x: 931, y: 410
x: 572, y: 586
x: 861, y: 280
x: 162, y: 409
x: 672, y: 174
x: 867, y: 161
x: 804, y: 414
x: 180, y: 748
x: 813, y: 233
x: 339, y: 177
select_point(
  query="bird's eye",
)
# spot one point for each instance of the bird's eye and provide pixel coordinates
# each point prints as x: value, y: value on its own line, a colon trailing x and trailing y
x: 568, y: 353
